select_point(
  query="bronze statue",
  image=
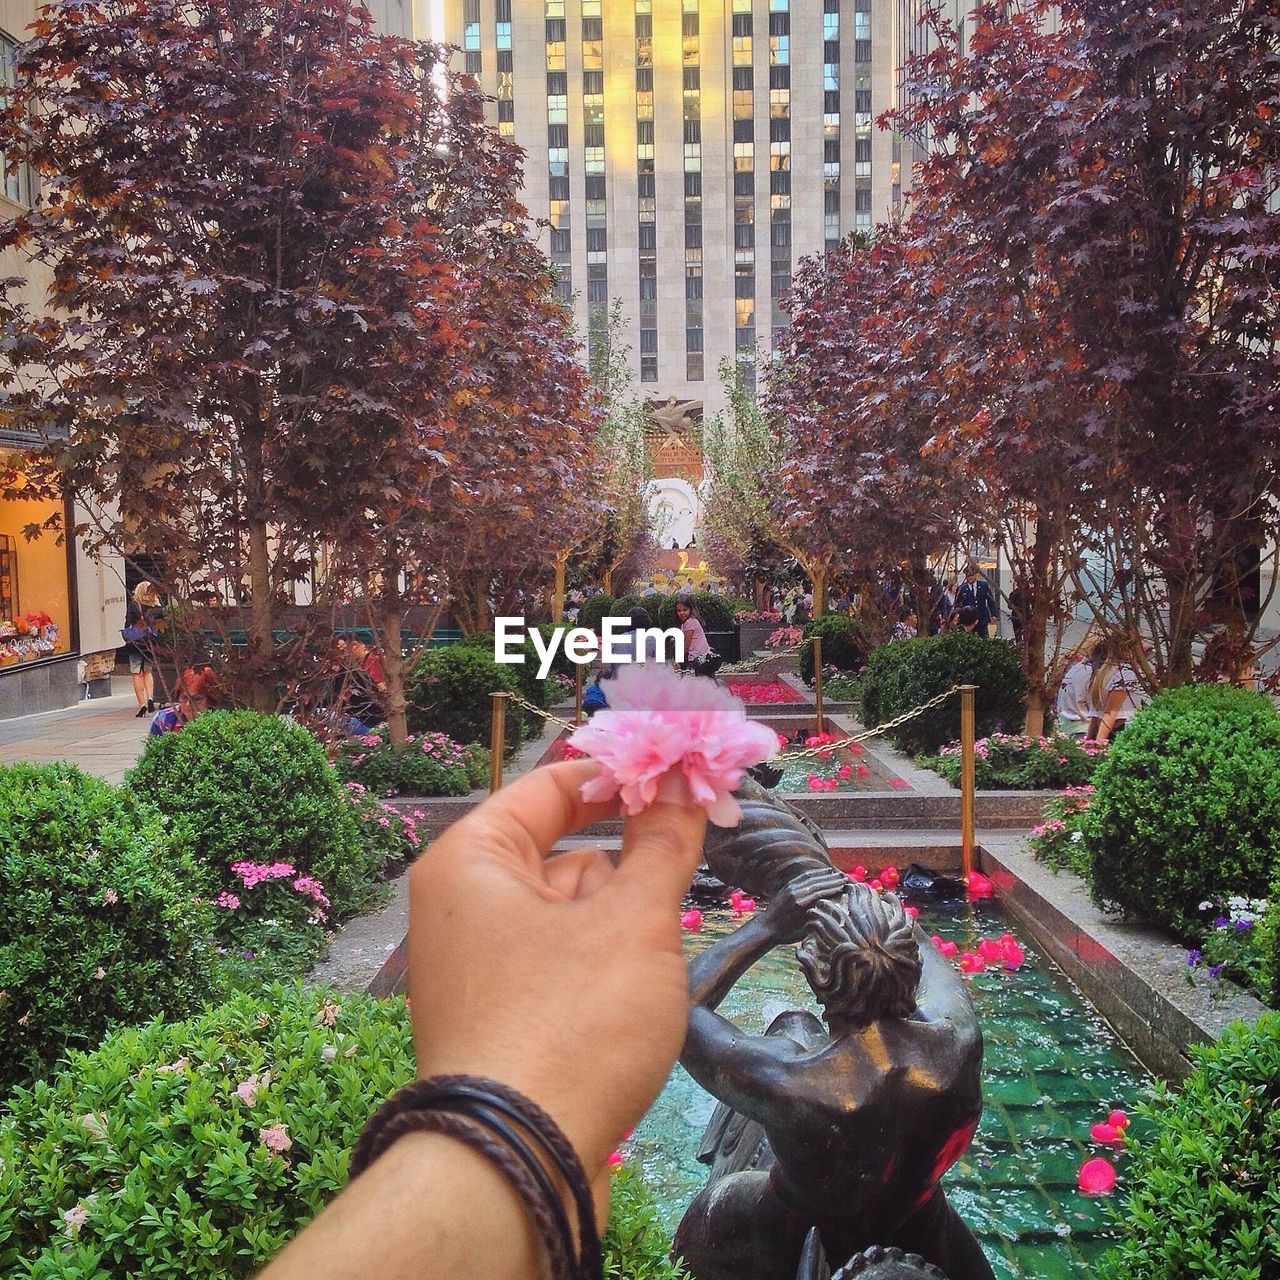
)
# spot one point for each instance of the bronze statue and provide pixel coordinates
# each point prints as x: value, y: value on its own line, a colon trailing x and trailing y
x: 846, y: 1127
x: 875, y: 1263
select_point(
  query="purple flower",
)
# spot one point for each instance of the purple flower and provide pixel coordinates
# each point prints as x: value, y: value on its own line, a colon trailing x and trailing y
x: 1214, y: 970
x: 248, y: 955
x: 1220, y: 922
x: 1243, y: 923
x: 1192, y: 957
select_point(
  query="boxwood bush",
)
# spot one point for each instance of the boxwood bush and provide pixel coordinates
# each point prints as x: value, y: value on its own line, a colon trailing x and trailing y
x: 594, y: 608
x: 905, y: 673
x: 1203, y: 1188
x: 1187, y: 803
x: 844, y: 644
x: 449, y: 692
x: 99, y: 918
x: 195, y: 1149
x: 247, y: 785
x: 525, y: 674
x: 635, y: 1242
x: 431, y: 764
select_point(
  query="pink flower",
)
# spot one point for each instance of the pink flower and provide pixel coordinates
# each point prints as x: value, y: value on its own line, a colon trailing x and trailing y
x: 890, y: 876
x: 1097, y: 1176
x: 900, y: 783
x: 859, y: 872
x: 328, y: 1014
x: 247, y: 1090
x: 683, y: 732
x: 944, y: 945
x: 1105, y: 1134
x: 990, y: 950
x: 861, y: 770
x: 971, y: 962
x: 691, y: 919
x: 228, y: 900
x: 979, y: 886
x: 911, y: 912
x: 614, y: 1160
x: 110, y: 897
x: 1118, y: 1120
x: 1013, y: 957
x: 275, y: 1137
x: 75, y: 1218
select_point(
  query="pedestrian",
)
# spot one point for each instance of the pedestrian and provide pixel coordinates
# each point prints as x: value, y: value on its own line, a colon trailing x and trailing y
x: 141, y: 615
x: 1114, y: 691
x: 975, y: 593
x: 194, y: 693
x: 1072, y: 702
x: 940, y: 607
x: 699, y: 657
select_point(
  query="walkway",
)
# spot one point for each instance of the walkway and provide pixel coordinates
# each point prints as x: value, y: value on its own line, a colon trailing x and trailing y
x: 101, y: 736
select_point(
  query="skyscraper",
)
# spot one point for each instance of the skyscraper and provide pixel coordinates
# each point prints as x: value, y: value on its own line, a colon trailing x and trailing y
x: 686, y: 154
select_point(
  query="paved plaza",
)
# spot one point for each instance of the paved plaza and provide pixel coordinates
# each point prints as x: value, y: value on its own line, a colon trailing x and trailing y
x: 102, y: 736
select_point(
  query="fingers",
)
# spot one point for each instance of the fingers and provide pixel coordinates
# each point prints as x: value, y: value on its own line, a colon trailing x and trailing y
x: 660, y: 849
x: 541, y: 806
x: 578, y: 873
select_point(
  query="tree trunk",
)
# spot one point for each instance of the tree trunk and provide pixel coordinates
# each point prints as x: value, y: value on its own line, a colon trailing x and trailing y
x: 606, y: 582
x: 261, y: 642
x: 1036, y: 604
x: 557, y: 592
x: 758, y: 594
x: 393, y: 665
x: 817, y: 571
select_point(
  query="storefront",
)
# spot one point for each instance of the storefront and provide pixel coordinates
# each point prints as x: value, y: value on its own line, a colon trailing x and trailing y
x: 58, y: 612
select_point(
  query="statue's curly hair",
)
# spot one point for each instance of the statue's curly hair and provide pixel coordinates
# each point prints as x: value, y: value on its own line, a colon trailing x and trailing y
x: 860, y: 955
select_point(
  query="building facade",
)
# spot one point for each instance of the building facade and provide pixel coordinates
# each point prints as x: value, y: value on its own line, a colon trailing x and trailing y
x: 685, y: 155
x: 60, y: 609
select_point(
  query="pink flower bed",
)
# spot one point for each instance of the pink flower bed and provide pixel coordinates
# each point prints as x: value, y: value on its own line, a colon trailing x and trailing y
x: 756, y: 692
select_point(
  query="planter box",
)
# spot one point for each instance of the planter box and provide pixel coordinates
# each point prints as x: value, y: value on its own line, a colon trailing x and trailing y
x: 752, y: 635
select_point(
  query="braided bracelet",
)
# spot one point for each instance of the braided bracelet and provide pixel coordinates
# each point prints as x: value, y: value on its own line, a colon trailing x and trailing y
x: 477, y: 1111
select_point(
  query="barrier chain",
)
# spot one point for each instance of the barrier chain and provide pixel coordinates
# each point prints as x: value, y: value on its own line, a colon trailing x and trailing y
x: 827, y: 748
x: 824, y: 749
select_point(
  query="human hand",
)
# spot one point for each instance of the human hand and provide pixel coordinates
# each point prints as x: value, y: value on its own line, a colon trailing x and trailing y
x: 788, y: 911
x: 561, y: 977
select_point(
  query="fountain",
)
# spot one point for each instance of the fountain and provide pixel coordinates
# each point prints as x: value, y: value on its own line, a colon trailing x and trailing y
x: 844, y: 1128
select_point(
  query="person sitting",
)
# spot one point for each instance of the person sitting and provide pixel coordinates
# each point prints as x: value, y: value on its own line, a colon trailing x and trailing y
x: 965, y: 619
x: 192, y: 695
x: 699, y: 657
x: 1072, y: 702
x: 1115, y: 693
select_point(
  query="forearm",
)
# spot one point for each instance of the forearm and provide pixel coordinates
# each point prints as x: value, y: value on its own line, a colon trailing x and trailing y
x: 713, y: 973
x: 430, y: 1207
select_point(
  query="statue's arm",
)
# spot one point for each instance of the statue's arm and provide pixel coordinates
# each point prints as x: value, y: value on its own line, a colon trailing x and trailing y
x: 713, y: 973
x: 748, y: 1072
x: 740, y: 1069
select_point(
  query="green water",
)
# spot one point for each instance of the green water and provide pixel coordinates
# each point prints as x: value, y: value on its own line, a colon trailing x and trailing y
x: 1051, y: 1068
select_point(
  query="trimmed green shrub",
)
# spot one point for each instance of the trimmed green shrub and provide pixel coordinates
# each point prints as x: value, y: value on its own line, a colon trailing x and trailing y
x: 449, y: 692
x: 101, y: 922
x: 1059, y: 841
x: 1203, y: 1194
x: 1187, y: 803
x: 635, y: 1242
x: 254, y: 786
x: 594, y: 608
x: 715, y: 611
x: 904, y: 673
x: 844, y: 644
x: 1014, y: 762
x: 431, y: 764
x: 195, y: 1149
x: 525, y: 674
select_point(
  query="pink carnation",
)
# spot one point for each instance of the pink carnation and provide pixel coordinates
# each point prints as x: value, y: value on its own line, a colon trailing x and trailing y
x: 275, y: 1137
x: 660, y: 723
x: 228, y: 900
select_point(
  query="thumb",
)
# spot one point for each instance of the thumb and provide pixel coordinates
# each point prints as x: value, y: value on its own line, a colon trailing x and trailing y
x: 661, y: 847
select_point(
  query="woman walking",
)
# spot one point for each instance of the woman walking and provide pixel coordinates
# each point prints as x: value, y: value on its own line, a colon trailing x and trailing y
x: 138, y: 631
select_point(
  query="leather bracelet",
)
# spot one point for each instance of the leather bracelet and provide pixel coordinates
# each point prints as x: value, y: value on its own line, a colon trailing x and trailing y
x: 477, y: 1111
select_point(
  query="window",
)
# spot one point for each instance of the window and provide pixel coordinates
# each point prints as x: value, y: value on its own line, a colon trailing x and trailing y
x: 648, y: 368
x: 474, y: 63
x: 743, y: 78
x: 692, y: 367
x: 648, y: 289
x: 648, y: 235
x: 597, y: 291
x: 693, y: 184
x: 645, y: 185
x: 693, y: 339
x: 744, y: 286
x: 561, y: 242
x: 693, y: 235
x: 648, y: 341
x: 693, y: 286
x: 744, y: 184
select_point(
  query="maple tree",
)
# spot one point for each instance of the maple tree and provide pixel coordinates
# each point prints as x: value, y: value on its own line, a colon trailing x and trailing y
x: 293, y: 308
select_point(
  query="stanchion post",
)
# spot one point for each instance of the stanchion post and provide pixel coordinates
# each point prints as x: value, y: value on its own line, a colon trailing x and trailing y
x: 966, y: 777
x: 497, y: 739
x: 578, y: 677
x: 817, y: 682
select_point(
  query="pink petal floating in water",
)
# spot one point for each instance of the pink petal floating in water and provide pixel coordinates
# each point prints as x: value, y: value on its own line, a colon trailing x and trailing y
x: 1013, y: 956
x: 862, y: 771
x: 890, y: 876
x: 845, y: 771
x: 1103, y: 1132
x: 971, y: 962
x: 1097, y: 1176
x: 913, y: 912
x: 747, y: 905
x: 944, y: 945
x: 691, y: 919
x: 990, y: 950
x: 859, y: 872
x: 978, y: 885
x: 877, y: 886
x: 1118, y: 1119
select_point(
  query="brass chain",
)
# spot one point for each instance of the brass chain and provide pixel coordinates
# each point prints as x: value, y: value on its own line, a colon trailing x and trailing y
x: 825, y: 749
x: 538, y: 711
x: 828, y: 747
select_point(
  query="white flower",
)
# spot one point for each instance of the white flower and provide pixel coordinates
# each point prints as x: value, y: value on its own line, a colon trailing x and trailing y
x: 1205, y: 906
x: 328, y: 1052
x: 74, y: 1218
x: 1077, y: 836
